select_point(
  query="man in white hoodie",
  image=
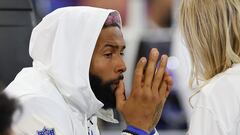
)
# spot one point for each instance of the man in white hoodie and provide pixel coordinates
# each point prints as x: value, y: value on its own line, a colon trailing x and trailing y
x: 77, y: 76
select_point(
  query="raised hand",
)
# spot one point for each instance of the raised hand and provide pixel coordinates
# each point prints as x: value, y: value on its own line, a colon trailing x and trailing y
x: 150, y: 89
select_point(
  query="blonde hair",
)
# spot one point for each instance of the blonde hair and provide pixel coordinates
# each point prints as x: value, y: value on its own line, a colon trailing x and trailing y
x: 212, y: 32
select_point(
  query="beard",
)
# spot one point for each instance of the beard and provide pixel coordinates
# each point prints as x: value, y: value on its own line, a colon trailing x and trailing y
x: 105, y: 91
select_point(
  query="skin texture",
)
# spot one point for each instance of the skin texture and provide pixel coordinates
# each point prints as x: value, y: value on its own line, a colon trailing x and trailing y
x: 107, y: 60
x: 107, y: 65
x: 144, y: 106
x: 150, y: 89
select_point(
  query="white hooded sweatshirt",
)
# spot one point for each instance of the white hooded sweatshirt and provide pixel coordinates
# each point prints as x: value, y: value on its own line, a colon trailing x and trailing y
x: 55, y: 92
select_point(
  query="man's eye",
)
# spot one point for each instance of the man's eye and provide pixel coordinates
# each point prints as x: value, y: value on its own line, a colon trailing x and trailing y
x: 108, y: 55
x: 122, y: 53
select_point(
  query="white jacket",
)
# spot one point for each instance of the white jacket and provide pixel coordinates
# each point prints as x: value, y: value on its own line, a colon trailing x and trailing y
x: 217, y: 106
x: 55, y: 93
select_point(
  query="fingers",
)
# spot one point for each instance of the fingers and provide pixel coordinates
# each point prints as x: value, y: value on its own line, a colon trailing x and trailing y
x: 169, y: 82
x: 158, y: 78
x: 150, y: 71
x: 168, y: 79
x: 165, y: 86
x: 120, y: 96
x: 138, y: 76
x: 163, y: 90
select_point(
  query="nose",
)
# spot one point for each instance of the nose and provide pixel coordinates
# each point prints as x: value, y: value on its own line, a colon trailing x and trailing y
x: 120, y: 65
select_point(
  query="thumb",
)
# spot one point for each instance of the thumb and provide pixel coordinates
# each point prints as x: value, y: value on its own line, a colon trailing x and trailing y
x: 120, y: 96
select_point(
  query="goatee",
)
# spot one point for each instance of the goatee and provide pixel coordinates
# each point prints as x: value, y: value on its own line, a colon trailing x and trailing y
x: 105, y: 91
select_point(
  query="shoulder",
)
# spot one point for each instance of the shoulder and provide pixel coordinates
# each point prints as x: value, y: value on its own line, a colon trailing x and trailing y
x: 224, y: 86
x: 39, y: 112
x: 219, y: 100
x: 220, y: 92
x: 30, y: 81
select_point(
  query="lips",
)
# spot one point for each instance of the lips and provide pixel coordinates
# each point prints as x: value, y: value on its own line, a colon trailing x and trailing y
x: 115, y: 85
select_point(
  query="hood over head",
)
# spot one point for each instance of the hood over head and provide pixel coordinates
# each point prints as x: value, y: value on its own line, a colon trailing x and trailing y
x: 62, y: 45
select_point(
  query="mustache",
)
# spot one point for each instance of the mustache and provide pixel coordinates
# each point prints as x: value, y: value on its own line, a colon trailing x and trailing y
x: 121, y: 77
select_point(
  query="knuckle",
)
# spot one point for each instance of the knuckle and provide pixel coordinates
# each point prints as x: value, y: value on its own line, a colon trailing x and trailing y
x: 155, y: 97
x: 162, y: 64
x: 147, y: 96
x: 147, y: 86
x: 153, y: 57
x: 157, y: 79
x: 139, y: 66
x: 138, y: 75
x: 137, y: 94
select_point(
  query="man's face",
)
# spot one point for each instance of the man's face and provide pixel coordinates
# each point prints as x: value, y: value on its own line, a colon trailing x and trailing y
x: 107, y: 65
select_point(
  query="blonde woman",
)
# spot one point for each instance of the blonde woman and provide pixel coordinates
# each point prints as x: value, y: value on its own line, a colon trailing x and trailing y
x: 211, y: 29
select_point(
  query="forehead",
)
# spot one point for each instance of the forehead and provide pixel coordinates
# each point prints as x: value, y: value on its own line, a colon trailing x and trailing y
x: 110, y: 35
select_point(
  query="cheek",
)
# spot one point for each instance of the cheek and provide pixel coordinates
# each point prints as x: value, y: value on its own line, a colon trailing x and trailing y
x: 102, y: 69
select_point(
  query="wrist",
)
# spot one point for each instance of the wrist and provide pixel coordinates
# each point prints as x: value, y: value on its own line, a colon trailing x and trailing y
x: 137, y: 131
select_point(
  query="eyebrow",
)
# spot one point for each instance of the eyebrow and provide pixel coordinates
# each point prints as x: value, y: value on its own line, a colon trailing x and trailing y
x: 115, y: 46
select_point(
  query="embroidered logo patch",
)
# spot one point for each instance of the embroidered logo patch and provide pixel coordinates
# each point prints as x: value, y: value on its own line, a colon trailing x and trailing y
x: 46, y: 131
x: 90, y: 132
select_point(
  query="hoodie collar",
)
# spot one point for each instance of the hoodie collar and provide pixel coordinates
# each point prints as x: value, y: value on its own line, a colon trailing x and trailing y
x: 106, y: 115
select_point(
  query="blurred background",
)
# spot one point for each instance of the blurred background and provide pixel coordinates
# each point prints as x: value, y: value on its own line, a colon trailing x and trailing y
x: 147, y: 24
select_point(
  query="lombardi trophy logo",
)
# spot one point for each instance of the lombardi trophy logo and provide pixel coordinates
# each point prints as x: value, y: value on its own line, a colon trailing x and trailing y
x: 46, y: 131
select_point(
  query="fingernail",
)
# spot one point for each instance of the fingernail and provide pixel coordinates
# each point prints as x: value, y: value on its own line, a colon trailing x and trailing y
x: 143, y: 59
x: 155, y: 52
x: 164, y: 57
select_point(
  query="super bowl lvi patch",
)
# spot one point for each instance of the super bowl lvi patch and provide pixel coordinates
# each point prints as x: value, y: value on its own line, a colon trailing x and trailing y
x: 46, y: 131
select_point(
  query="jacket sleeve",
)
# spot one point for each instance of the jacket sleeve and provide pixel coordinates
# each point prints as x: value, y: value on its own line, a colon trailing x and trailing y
x: 39, y: 114
x: 125, y: 132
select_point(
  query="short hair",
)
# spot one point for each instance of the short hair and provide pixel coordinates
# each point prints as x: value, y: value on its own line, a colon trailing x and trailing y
x: 113, y: 19
x: 212, y: 32
x: 7, y: 109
